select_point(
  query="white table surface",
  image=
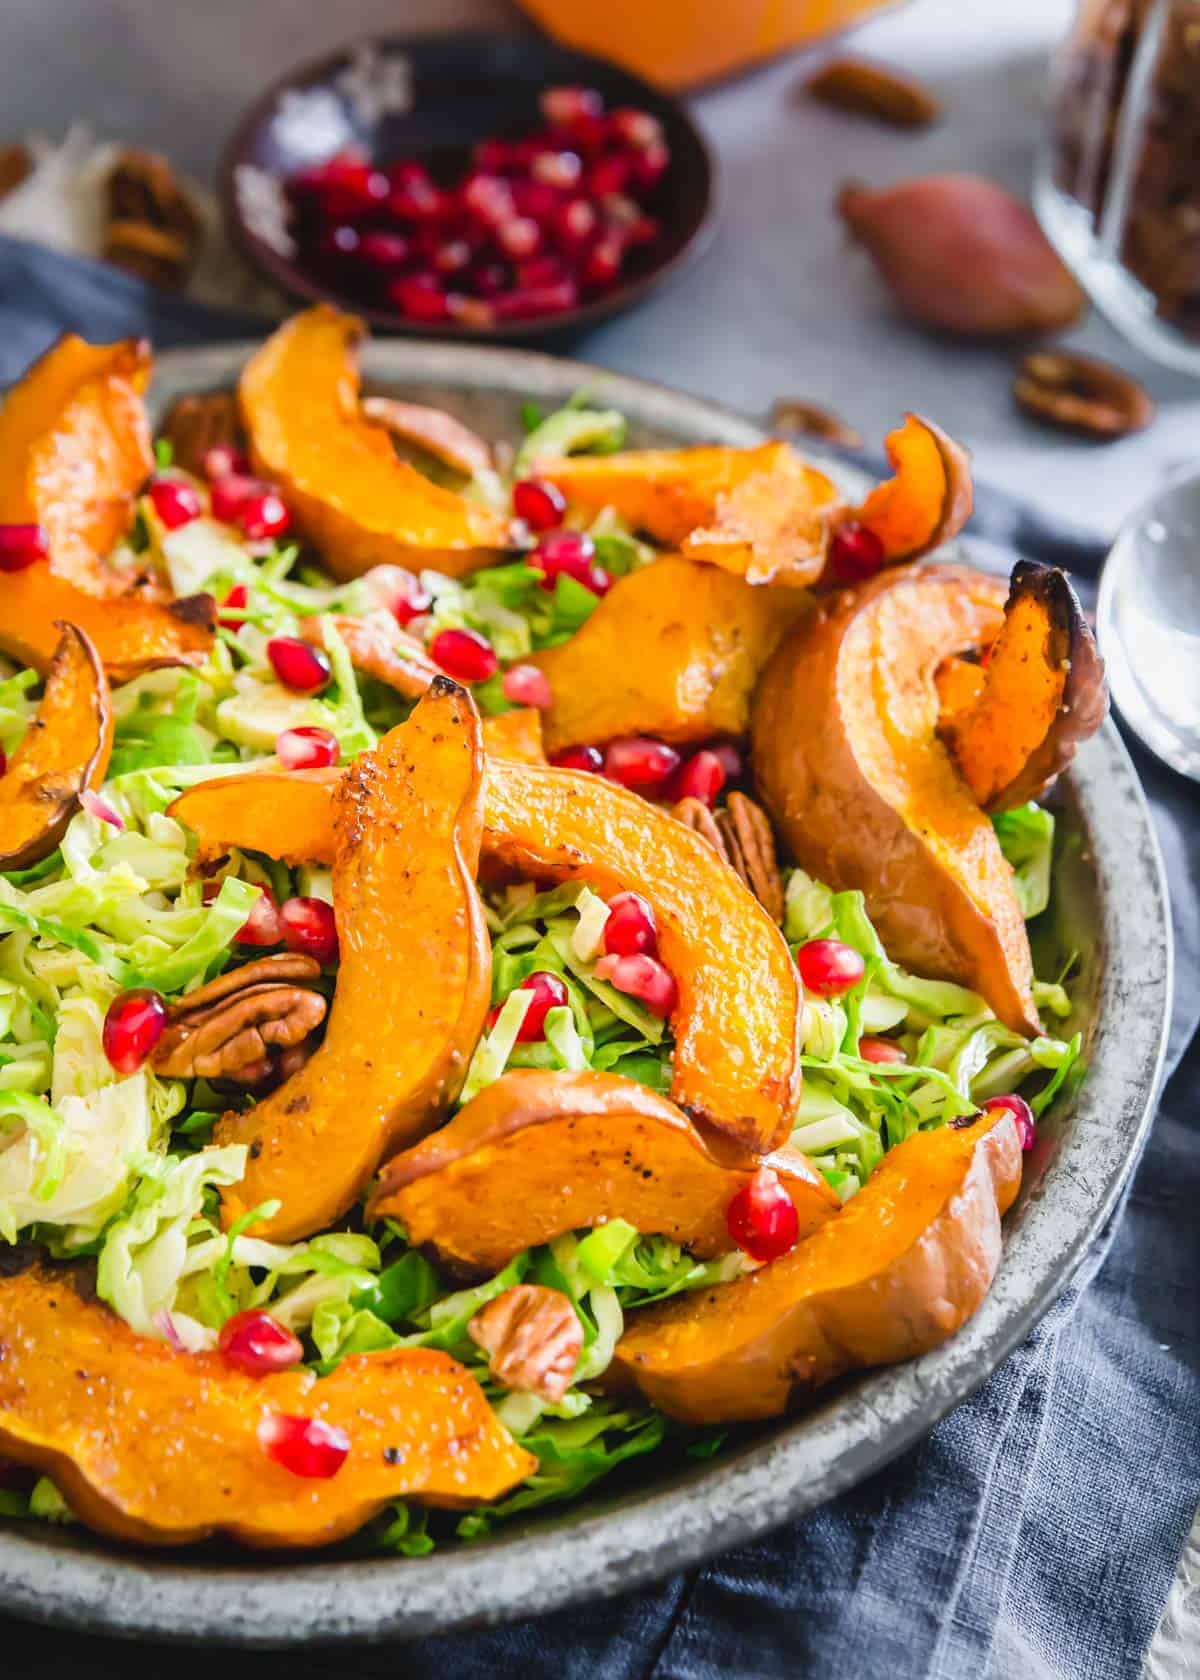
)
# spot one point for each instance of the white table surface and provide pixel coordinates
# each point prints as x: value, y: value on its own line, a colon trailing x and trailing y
x: 779, y: 306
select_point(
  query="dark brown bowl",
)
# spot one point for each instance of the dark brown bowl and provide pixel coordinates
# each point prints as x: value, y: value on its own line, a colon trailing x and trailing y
x: 434, y: 97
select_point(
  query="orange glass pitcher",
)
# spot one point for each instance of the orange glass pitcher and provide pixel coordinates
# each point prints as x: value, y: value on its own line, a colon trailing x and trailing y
x: 678, y: 43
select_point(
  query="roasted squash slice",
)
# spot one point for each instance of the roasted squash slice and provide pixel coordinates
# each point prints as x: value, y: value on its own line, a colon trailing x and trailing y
x: 761, y: 513
x: 902, y: 1266
x: 1040, y: 694
x: 537, y: 1154
x: 414, y: 982
x: 516, y: 734
x: 929, y: 499
x: 164, y: 1448
x: 64, y: 751
x: 674, y: 650
x: 74, y: 452
x: 350, y: 492
x: 736, y: 1063
x: 848, y: 761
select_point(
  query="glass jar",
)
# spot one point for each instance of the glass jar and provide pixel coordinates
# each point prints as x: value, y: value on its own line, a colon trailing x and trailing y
x: 1118, y: 182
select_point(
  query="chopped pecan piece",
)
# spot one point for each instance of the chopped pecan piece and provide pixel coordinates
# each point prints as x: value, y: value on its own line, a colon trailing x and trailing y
x: 750, y: 846
x: 197, y: 423
x: 227, y: 1029
x: 152, y: 229
x: 533, y: 1337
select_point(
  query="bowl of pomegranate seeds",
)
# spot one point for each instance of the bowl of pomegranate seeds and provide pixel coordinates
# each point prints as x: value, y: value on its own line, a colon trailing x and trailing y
x: 468, y: 185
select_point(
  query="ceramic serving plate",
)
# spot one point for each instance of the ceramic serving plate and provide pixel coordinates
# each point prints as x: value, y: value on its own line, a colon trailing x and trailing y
x: 1109, y: 906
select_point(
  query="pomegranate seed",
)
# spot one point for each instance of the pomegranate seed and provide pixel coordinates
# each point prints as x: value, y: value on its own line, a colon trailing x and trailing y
x: 640, y: 762
x: 305, y: 1446
x: 604, y: 260
x: 576, y: 223
x: 263, y: 925
x: 881, y: 1050
x: 99, y: 808
x: 237, y: 597
x: 264, y: 515
x: 411, y: 601
x: 610, y: 175
x: 464, y: 654
x: 520, y: 236
x: 621, y: 212
x: 224, y: 461
x: 539, y: 272
x: 572, y: 552
x: 1022, y: 1116
x: 527, y: 303
x: 644, y: 978
x: 635, y: 128
x: 762, y: 1218
x: 21, y: 545
x: 539, y: 503
x: 133, y: 1025
x: 650, y: 165
x: 309, y: 928
x: 230, y: 494
x: 492, y: 279
x: 492, y: 157
x: 548, y: 993
x: 488, y: 198
x: 304, y: 669
x: 557, y: 169
x: 383, y: 250
x: 828, y: 967
x: 452, y: 256
x: 536, y: 200
x: 525, y: 685
x: 3, y: 761
x: 563, y: 107
x: 258, y: 1344
x: 579, y: 758
x: 631, y: 930
x: 731, y: 760
x: 700, y: 777
x: 307, y: 748
x: 855, y: 553
x: 339, y: 242
x: 175, y: 502
x: 643, y: 231
x: 420, y: 297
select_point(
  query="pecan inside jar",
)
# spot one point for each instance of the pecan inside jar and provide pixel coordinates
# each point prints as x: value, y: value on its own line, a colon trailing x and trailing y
x: 1081, y: 394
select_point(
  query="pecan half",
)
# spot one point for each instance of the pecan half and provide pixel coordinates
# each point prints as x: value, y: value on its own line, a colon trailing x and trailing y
x: 1081, y: 394
x: 694, y: 813
x: 533, y: 1337
x: 792, y: 415
x: 439, y: 434
x: 750, y: 845
x: 875, y: 90
x: 380, y: 648
x: 197, y: 423
x: 228, y: 1029
x: 151, y: 228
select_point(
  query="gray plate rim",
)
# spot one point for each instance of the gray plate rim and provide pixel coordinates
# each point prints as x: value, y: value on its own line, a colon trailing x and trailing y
x: 53, y: 1576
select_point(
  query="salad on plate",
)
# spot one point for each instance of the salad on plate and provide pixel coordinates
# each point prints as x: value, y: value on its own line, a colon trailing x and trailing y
x: 514, y: 953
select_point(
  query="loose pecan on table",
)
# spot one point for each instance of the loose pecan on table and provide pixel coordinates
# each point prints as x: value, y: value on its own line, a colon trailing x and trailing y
x: 875, y: 90
x: 196, y: 423
x: 533, y: 1337
x: 228, y: 1029
x: 1081, y: 394
x: 151, y: 227
x: 741, y: 834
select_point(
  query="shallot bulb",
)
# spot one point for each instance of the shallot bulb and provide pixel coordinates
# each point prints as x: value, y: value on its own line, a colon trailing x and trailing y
x: 961, y: 254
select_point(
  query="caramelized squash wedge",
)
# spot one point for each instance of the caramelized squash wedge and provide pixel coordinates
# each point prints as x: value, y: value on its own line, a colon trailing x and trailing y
x: 537, y: 1154
x: 736, y: 1025
x: 516, y: 735
x: 899, y: 1270
x: 674, y: 650
x: 930, y: 498
x: 163, y: 1448
x: 64, y: 751
x: 1041, y: 693
x: 848, y: 760
x: 74, y: 452
x: 761, y: 513
x: 351, y: 494
x: 414, y: 983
